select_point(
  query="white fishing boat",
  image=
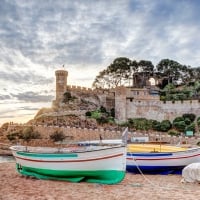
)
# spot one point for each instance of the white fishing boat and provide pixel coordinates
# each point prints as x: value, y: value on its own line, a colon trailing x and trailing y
x: 94, y: 164
x: 161, y: 162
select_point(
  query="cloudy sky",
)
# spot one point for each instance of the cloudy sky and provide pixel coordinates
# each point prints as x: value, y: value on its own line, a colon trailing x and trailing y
x: 37, y: 37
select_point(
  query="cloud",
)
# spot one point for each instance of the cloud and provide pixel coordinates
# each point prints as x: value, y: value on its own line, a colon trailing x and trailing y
x: 4, y: 97
x: 24, y: 78
x: 37, y: 37
x: 82, y: 32
x: 33, y: 97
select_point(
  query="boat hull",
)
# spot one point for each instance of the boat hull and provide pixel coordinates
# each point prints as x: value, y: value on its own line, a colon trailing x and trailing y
x: 161, y: 163
x: 105, y: 166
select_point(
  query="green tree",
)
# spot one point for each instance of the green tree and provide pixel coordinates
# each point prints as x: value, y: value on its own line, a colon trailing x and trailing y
x: 189, y: 116
x: 155, y: 125
x: 171, y: 70
x: 180, y: 126
x: 194, y: 74
x: 145, y: 71
x: 146, y: 66
x: 165, y: 125
x: 117, y: 73
x: 178, y: 119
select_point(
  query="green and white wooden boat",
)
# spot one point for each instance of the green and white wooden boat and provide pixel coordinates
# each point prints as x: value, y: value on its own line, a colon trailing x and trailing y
x: 94, y: 164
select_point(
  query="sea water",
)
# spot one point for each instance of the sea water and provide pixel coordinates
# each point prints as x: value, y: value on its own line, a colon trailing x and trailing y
x: 6, y: 159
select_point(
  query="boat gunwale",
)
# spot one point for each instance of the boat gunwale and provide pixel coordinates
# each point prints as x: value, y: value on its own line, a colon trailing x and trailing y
x: 195, y: 149
x: 62, y: 151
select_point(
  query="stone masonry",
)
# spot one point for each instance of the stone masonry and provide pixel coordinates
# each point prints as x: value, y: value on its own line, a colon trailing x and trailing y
x: 129, y: 102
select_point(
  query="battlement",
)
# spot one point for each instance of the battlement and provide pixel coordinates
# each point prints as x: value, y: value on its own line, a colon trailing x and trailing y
x: 89, y: 91
x: 78, y: 88
x: 61, y: 72
x: 183, y: 102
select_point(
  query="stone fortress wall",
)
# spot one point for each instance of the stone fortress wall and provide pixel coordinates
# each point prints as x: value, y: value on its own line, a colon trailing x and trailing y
x: 159, y: 110
x: 84, y: 134
x: 140, y: 103
x: 129, y: 102
x: 74, y: 134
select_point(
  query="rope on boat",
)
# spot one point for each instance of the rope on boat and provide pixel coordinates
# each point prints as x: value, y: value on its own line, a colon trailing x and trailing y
x: 138, y: 168
x: 153, y: 184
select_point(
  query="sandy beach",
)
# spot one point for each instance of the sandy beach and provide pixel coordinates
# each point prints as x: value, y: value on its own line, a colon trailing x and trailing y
x: 15, y: 186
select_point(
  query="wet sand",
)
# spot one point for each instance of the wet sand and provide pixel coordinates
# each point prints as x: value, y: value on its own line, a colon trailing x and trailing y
x: 14, y: 186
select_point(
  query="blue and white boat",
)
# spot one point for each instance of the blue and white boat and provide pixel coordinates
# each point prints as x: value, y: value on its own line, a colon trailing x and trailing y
x: 161, y: 162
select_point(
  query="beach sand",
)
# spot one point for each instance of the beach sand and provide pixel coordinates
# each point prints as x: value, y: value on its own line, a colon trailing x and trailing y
x: 153, y: 187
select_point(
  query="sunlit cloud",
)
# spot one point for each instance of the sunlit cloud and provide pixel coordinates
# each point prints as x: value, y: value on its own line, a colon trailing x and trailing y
x: 38, y: 37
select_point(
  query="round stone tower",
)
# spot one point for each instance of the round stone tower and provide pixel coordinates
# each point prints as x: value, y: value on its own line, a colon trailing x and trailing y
x: 61, y: 83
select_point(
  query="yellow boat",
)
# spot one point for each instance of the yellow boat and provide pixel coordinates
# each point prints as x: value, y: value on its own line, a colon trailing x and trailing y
x: 153, y: 148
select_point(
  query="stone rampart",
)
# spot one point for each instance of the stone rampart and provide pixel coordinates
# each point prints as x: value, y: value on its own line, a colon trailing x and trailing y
x: 159, y: 110
x: 141, y: 103
x: 82, y: 134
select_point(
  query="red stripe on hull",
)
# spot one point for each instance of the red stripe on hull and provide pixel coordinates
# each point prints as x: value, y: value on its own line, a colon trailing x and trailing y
x: 85, y: 160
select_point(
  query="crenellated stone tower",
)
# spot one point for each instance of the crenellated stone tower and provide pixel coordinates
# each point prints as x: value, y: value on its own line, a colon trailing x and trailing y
x: 61, y: 84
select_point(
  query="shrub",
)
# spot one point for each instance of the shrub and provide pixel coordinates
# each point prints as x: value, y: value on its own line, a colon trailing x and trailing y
x: 180, y: 126
x: 165, y: 125
x: 187, y: 121
x: 155, y: 125
x: 11, y: 137
x: 29, y: 134
x: 88, y: 114
x: 67, y: 97
x: 102, y: 109
x: 139, y: 123
x: 102, y: 120
x: 173, y: 133
x: 189, y: 116
x: 112, y: 112
x: 96, y: 114
x: 57, y: 136
x: 178, y: 119
x: 14, y: 135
